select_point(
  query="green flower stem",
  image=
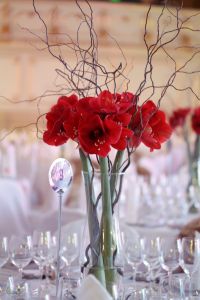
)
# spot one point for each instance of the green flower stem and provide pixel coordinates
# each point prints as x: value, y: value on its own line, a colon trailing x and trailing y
x: 195, y: 163
x: 197, y: 148
x: 115, y: 173
x: 107, y: 240
x: 118, y: 161
x: 189, y: 152
x: 106, y: 234
x: 94, y: 231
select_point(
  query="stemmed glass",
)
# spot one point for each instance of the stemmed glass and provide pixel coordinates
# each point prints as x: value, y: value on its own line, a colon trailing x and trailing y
x: 69, y: 252
x: 70, y: 249
x: 133, y: 250
x: 190, y: 260
x: 180, y: 287
x: 21, y: 252
x: 190, y: 257
x: 17, y: 290
x: 151, y: 255
x: 4, y: 255
x: 169, y: 254
x: 141, y: 294
x: 44, y: 250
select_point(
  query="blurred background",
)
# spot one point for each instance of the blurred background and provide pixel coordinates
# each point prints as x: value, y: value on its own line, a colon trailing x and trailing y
x: 27, y: 71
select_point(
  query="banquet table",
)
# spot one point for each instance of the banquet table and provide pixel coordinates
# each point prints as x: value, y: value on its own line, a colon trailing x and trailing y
x: 31, y: 271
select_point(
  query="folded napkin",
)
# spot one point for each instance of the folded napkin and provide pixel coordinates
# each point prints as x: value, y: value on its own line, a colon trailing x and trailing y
x: 91, y: 289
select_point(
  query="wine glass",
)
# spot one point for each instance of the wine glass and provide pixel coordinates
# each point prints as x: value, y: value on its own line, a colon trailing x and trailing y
x: 133, y: 250
x: 17, y: 289
x: 44, y: 249
x: 21, y: 252
x: 180, y: 287
x: 190, y: 257
x: 140, y: 294
x: 4, y: 255
x: 151, y: 255
x: 70, y: 249
x: 169, y: 255
x: 69, y: 252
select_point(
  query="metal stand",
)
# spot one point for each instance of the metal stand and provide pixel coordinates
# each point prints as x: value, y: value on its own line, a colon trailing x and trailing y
x: 60, y: 193
x: 60, y: 177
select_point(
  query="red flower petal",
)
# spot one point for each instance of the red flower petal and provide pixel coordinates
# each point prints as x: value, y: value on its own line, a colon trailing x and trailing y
x: 124, y: 119
x: 150, y: 127
x: 84, y: 105
x: 122, y: 143
x: 59, y: 113
x: 149, y: 139
x: 113, y: 131
x: 135, y: 141
x: 92, y: 136
x: 71, y: 125
x: 54, y: 139
x: 178, y: 117
x: 196, y: 120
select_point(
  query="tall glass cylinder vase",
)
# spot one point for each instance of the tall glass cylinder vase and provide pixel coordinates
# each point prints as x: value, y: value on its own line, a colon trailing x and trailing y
x: 103, y: 251
x: 194, y: 184
x: 195, y: 176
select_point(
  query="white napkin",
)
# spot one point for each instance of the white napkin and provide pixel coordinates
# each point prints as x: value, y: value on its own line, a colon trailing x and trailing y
x: 91, y: 289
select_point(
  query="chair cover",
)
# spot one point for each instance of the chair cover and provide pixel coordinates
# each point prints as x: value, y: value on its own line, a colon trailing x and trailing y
x: 14, y: 209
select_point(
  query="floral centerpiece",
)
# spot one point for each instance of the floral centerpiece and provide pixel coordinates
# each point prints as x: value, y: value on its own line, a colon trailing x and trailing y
x: 188, y: 120
x: 98, y: 124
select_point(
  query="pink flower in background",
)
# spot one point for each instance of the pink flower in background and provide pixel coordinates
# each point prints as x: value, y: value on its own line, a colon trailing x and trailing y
x: 150, y: 127
x: 178, y: 117
x: 196, y: 120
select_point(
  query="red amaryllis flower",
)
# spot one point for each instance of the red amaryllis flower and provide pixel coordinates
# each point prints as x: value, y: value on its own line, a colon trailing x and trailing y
x: 126, y: 101
x: 106, y: 103
x: 103, y: 104
x: 85, y: 105
x: 71, y: 125
x: 122, y: 143
x: 157, y: 132
x: 55, y: 134
x: 96, y: 135
x: 150, y: 127
x: 196, y: 120
x: 178, y: 117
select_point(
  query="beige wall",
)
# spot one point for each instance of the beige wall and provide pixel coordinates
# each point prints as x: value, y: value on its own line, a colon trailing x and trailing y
x: 26, y: 72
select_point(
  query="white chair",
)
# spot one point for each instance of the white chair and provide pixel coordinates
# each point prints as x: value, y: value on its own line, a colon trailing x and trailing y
x: 8, y: 159
x: 14, y: 209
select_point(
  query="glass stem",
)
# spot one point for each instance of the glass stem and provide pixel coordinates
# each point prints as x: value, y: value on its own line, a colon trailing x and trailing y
x: 170, y: 281
x: 41, y: 271
x: 152, y: 280
x: 190, y: 284
x: 68, y: 272
x: 134, y: 275
x: 47, y: 275
x: 20, y: 273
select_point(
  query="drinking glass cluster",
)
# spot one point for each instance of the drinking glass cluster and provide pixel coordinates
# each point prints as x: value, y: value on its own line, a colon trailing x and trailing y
x: 163, y: 258
x: 41, y: 249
